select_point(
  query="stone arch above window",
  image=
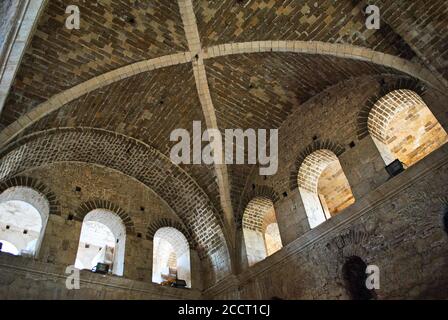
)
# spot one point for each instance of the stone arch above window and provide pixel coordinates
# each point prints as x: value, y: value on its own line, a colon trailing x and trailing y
x: 89, y: 206
x: 164, y: 222
x: 403, y: 127
x: 385, y: 88
x: 23, y: 181
x: 102, y: 240
x: 323, y: 186
x: 260, y: 230
x: 335, y: 148
x: 255, y: 192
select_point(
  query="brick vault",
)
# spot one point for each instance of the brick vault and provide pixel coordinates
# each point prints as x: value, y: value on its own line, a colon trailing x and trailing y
x: 86, y: 117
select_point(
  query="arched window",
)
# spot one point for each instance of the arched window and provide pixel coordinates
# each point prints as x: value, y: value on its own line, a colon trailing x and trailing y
x: 8, y: 247
x: 355, y: 276
x: 23, y: 217
x: 103, y: 240
x: 323, y: 186
x: 260, y: 230
x: 404, y: 128
x: 171, y: 257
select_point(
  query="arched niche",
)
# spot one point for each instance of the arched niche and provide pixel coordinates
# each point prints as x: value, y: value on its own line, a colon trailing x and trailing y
x: 323, y: 186
x: 260, y: 230
x: 355, y: 279
x: 404, y: 128
x: 102, y: 240
x: 24, y: 215
x: 171, y: 256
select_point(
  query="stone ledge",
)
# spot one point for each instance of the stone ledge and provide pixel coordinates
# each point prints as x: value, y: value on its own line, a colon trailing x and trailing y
x: 363, y: 206
x: 55, y: 273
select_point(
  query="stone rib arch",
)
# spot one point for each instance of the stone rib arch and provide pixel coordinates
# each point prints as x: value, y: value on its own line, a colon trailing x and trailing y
x: 256, y: 192
x: 317, y: 145
x: 325, y: 48
x: 134, y: 159
x: 24, y: 181
x: 92, y: 205
x: 385, y: 88
x: 163, y: 223
x: 300, y: 47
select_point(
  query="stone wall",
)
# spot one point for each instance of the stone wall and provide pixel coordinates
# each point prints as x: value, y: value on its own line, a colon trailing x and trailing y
x: 28, y: 279
x: 330, y: 120
x: 74, y: 184
x: 398, y: 227
x: 360, y: 161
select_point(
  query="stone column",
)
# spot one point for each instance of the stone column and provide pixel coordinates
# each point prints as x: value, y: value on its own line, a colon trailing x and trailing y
x: 291, y: 217
x: 60, y: 241
x: 364, y: 167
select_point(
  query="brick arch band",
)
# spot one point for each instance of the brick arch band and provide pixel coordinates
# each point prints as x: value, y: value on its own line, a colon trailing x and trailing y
x: 317, y: 145
x: 89, y: 206
x: 385, y: 88
x: 24, y: 181
x: 165, y: 222
x: 135, y: 159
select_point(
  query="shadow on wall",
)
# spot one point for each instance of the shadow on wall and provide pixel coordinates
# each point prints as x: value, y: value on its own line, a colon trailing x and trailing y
x: 354, y: 275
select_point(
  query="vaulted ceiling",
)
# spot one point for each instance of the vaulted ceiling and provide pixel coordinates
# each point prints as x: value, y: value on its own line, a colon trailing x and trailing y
x: 251, y: 85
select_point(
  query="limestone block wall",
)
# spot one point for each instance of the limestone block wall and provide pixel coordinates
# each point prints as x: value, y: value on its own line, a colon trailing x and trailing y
x: 29, y: 279
x: 331, y: 120
x: 77, y: 183
x: 398, y: 227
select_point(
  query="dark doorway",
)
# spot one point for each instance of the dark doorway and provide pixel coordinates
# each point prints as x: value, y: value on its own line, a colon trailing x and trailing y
x: 354, y: 274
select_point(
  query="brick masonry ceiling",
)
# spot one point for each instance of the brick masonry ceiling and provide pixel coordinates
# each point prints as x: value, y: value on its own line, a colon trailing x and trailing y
x: 195, y: 71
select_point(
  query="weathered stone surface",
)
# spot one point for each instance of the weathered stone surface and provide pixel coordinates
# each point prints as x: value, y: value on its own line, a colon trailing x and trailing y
x: 88, y: 120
